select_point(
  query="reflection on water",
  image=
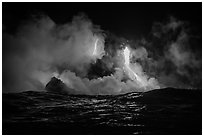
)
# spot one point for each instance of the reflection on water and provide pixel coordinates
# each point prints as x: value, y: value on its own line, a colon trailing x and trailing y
x: 132, y: 113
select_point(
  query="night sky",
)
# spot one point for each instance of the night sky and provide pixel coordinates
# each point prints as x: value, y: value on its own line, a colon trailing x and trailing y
x: 129, y: 20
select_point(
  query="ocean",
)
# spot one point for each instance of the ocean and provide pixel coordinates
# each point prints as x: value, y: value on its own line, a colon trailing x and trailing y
x: 166, y: 111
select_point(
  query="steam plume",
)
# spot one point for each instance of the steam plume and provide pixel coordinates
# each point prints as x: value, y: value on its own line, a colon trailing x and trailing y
x: 41, y: 49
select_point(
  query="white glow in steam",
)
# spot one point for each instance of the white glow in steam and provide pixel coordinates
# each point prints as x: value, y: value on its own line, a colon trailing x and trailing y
x: 95, y: 47
x: 127, y: 56
x: 127, y: 64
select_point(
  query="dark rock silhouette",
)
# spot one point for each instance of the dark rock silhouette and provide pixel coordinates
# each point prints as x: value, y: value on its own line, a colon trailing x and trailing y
x: 55, y: 85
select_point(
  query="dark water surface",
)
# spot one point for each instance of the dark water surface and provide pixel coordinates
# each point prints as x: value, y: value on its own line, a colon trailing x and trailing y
x: 164, y: 111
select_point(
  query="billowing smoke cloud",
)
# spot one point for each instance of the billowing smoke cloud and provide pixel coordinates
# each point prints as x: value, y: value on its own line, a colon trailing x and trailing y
x: 41, y: 47
x: 122, y: 80
x: 90, y: 62
x: 176, y: 53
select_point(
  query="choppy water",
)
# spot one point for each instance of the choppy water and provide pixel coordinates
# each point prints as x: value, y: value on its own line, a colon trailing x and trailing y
x: 165, y: 111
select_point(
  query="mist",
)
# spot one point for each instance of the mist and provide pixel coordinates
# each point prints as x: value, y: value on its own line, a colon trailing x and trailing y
x: 41, y: 49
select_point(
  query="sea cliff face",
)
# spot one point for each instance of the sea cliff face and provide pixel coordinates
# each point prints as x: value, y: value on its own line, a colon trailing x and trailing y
x: 163, y: 111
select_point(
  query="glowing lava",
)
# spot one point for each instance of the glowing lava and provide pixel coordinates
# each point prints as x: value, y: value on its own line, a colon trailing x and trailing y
x: 95, y: 47
x: 127, y: 64
x: 127, y: 56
